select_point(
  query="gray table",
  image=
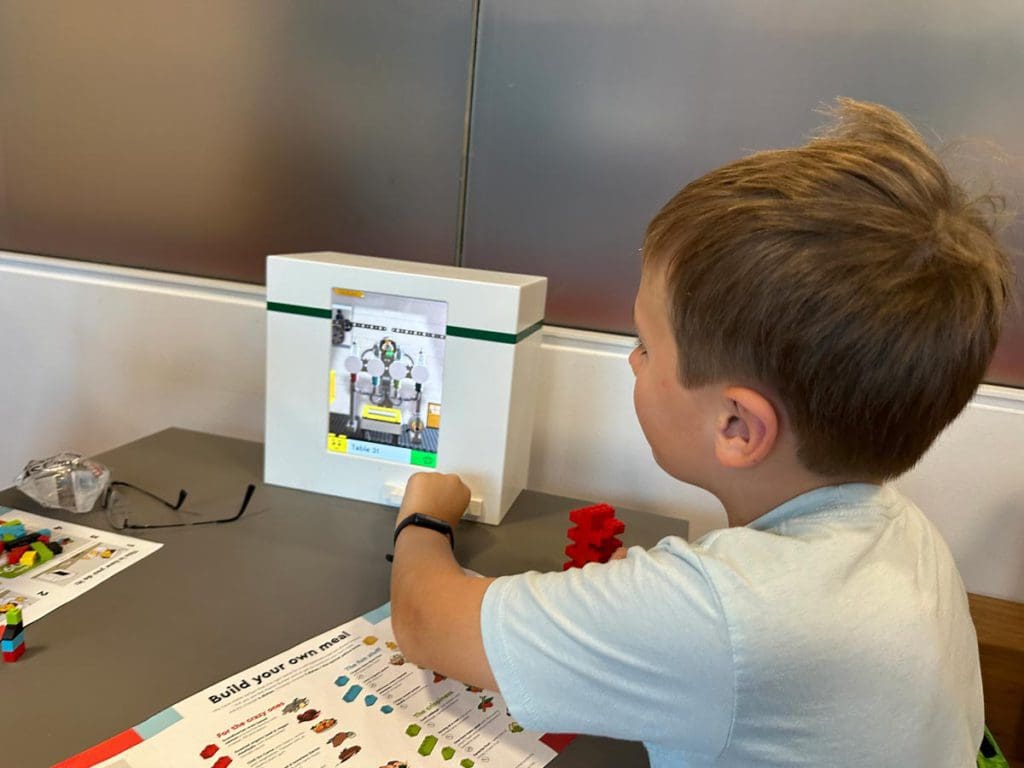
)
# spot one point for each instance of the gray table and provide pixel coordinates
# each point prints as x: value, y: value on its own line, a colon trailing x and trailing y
x: 206, y: 605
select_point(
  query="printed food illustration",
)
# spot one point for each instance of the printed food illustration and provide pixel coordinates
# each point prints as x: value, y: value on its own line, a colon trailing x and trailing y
x: 324, y: 725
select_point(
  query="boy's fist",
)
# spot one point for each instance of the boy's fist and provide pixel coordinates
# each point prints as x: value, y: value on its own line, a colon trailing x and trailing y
x: 431, y: 493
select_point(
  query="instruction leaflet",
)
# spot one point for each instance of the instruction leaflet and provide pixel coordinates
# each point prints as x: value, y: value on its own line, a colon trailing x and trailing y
x: 88, y: 557
x: 347, y: 696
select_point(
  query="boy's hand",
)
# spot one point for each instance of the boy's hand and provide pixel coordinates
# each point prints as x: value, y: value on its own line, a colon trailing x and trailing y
x: 431, y: 493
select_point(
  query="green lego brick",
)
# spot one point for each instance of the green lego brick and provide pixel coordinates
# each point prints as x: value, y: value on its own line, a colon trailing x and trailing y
x: 43, y: 550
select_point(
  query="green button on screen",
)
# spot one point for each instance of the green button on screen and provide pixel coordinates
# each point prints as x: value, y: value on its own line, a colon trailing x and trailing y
x: 423, y: 459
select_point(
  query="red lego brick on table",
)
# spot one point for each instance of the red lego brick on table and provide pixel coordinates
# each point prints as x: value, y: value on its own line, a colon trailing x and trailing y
x: 608, y: 529
x: 14, y: 555
x: 594, y: 535
x: 597, y: 513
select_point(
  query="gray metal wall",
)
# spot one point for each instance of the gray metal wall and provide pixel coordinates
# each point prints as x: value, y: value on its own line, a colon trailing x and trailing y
x: 589, y: 114
x: 197, y: 136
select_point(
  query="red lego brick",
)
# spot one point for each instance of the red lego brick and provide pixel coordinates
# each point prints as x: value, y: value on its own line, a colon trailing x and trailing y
x: 15, y: 654
x: 607, y: 530
x: 222, y: 762
x: 14, y: 555
x: 593, y: 536
x: 594, y: 515
x: 581, y: 555
x: 209, y: 751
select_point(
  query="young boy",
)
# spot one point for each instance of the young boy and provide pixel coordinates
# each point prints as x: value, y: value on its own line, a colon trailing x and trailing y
x: 809, y: 321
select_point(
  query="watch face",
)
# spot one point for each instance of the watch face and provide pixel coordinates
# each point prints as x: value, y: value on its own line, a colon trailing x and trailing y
x: 387, y: 363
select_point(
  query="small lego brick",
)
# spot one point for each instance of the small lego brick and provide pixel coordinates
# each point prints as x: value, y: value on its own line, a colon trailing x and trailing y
x: 14, y: 655
x: 14, y: 634
x: 11, y: 530
x: 209, y: 751
x: 42, y: 550
x: 222, y: 762
x: 29, y: 558
x: 14, y: 555
x: 608, y: 530
x: 23, y: 541
x: 12, y: 644
x: 55, y: 547
x: 593, y: 515
x: 11, y: 631
x: 582, y: 553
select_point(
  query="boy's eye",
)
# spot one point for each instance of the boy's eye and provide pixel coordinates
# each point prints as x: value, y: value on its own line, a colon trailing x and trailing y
x: 639, y: 344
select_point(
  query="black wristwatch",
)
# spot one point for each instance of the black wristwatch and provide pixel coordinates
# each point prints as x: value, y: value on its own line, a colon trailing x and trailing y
x: 424, y: 521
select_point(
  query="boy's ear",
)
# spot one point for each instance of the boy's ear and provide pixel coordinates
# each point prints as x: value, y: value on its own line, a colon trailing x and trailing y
x: 746, y: 428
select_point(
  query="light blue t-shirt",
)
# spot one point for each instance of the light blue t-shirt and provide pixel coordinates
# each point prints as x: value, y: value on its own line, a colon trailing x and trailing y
x: 833, y: 630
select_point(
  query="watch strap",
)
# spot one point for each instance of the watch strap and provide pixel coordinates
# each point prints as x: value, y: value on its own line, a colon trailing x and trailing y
x: 426, y: 521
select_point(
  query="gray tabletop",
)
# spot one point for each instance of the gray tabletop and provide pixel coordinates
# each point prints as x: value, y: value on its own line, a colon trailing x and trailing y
x: 197, y: 610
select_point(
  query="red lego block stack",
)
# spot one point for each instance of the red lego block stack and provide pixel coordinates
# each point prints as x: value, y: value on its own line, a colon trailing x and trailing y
x: 594, y: 535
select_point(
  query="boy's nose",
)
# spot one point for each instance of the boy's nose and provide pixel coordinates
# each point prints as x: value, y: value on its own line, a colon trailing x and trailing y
x: 633, y: 359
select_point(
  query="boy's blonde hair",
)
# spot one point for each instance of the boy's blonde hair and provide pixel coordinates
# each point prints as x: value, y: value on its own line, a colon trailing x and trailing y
x: 850, y: 278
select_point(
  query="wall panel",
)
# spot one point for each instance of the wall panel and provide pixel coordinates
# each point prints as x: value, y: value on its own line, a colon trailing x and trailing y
x: 588, y: 115
x: 197, y: 137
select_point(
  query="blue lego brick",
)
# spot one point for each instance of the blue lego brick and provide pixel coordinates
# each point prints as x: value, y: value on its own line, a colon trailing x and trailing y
x: 13, y: 531
x: 7, y: 646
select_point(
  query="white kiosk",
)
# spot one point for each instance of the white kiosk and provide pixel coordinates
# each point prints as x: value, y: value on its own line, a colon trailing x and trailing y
x: 377, y: 369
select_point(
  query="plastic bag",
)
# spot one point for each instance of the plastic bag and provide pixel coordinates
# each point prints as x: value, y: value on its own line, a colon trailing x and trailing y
x: 66, y: 481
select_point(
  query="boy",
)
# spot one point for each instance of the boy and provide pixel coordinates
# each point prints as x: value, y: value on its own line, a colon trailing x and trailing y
x: 809, y: 321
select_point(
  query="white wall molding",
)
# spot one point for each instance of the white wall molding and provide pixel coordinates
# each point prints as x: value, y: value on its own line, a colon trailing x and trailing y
x: 94, y: 356
x: 88, y: 273
x: 1005, y: 399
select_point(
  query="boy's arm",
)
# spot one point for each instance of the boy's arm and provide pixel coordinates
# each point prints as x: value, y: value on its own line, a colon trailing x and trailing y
x: 435, y: 606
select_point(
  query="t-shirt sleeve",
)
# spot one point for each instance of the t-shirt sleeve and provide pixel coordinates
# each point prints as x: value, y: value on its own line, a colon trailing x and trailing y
x: 634, y: 649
